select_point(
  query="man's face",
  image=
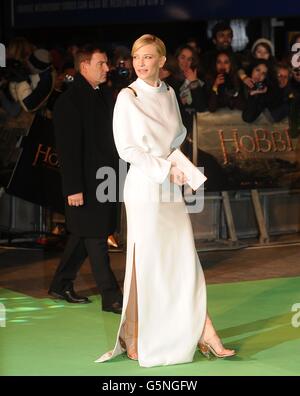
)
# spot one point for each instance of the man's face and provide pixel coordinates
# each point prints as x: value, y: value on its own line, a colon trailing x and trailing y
x: 95, y: 70
x: 223, y: 39
x: 283, y: 77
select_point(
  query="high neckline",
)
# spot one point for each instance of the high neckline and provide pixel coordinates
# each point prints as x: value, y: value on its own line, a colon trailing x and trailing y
x: 147, y: 87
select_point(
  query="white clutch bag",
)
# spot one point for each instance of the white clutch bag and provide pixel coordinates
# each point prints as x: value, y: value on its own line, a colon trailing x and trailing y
x: 194, y: 177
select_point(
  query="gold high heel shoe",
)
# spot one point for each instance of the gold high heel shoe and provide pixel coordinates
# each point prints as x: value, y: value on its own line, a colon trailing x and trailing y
x: 211, y: 343
x: 207, y: 348
x: 128, y: 339
x: 132, y: 355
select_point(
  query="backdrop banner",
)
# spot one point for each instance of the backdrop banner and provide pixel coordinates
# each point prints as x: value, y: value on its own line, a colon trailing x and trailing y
x: 258, y: 155
x: 36, y: 177
x: 30, y: 13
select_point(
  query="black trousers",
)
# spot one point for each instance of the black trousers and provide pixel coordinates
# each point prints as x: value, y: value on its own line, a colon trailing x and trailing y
x: 76, y: 251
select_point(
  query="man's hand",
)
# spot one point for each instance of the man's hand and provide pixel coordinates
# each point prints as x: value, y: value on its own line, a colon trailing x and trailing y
x: 75, y: 199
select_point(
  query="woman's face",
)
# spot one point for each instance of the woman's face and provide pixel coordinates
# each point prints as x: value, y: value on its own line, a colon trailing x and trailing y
x: 259, y: 73
x: 261, y: 52
x: 223, y: 64
x: 185, y: 59
x: 147, y: 62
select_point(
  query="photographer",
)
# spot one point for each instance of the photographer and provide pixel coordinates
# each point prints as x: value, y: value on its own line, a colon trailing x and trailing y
x: 62, y: 83
x: 121, y: 73
x: 258, y: 98
x: 223, y: 88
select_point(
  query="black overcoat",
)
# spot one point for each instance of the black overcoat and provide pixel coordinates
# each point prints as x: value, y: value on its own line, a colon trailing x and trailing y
x: 84, y: 141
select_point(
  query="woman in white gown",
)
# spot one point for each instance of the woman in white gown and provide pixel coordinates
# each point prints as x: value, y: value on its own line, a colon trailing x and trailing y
x: 164, y: 314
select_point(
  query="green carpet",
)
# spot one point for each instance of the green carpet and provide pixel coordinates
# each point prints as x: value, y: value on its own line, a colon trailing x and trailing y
x: 44, y: 337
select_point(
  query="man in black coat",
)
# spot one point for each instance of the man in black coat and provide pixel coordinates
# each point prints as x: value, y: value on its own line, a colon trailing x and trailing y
x: 83, y: 129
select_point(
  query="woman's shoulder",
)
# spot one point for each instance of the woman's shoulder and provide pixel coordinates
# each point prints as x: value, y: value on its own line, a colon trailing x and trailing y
x: 128, y: 93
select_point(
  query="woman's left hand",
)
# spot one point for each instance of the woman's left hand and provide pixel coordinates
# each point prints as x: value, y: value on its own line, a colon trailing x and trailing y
x: 258, y: 91
x: 177, y: 176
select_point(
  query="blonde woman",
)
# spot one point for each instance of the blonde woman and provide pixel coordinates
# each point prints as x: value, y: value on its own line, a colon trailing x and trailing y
x: 164, y: 314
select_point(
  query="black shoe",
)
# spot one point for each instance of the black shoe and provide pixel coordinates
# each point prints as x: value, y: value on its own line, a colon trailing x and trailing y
x: 70, y: 296
x: 115, y: 307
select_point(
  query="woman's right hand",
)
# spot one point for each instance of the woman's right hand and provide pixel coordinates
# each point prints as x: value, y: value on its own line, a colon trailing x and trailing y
x: 177, y: 176
x: 248, y: 82
x: 219, y: 81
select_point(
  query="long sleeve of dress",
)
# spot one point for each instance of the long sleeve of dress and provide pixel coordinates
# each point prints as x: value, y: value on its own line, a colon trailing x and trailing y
x: 128, y: 142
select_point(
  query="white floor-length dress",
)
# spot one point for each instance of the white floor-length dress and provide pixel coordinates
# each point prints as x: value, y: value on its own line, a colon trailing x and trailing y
x: 170, y: 285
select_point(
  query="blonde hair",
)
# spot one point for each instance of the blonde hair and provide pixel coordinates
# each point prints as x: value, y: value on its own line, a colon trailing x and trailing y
x: 148, y: 39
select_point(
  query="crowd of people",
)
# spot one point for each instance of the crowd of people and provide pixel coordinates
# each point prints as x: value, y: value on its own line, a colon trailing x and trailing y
x: 253, y: 81
x: 217, y: 78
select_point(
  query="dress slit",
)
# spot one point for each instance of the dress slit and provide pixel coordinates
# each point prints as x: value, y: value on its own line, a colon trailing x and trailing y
x: 129, y: 330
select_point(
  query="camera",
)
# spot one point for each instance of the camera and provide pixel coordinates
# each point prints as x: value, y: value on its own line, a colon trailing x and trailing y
x: 66, y: 82
x: 68, y: 79
x: 258, y: 86
x: 120, y: 76
x: 121, y: 70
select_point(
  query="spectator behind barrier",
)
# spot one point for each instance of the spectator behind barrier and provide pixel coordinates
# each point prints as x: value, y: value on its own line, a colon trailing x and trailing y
x: 189, y: 88
x: 261, y: 49
x: 280, y: 96
x: 222, y: 35
x: 223, y: 86
x: 257, y: 97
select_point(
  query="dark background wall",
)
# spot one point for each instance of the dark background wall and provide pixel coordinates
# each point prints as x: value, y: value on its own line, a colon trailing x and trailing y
x: 46, y: 29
